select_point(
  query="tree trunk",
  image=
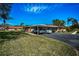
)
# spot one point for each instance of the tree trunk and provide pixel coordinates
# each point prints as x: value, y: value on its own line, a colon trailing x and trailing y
x: 4, y: 23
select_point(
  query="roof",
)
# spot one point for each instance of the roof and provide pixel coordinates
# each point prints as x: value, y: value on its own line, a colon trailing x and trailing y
x: 45, y: 26
x: 20, y: 27
x: 52, y: 26
x: 15, y: 27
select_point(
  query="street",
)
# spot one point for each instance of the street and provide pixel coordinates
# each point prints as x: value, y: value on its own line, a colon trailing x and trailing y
x: 71, y: 39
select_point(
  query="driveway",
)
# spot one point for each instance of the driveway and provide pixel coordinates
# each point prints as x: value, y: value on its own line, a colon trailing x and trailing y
x: 71, y: 39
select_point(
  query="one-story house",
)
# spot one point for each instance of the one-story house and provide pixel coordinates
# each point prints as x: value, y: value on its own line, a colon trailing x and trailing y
x: 52, y: 28
x: 1, y: 28
x: 15, y: 28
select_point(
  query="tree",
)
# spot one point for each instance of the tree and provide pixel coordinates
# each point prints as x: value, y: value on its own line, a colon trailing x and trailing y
x: 21, y: 24
x: 4, y: 12
x: 58, y: 22
x: 74, y: 22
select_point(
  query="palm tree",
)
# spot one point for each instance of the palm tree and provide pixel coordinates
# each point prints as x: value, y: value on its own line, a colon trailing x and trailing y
x: 58, y: 22
x: 4, y: 12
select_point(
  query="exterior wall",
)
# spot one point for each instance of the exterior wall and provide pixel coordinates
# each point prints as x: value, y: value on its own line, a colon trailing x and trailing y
x: 29, y: 29
x: 14, y: 29
x: 61, y: 30
x: 11, y: 29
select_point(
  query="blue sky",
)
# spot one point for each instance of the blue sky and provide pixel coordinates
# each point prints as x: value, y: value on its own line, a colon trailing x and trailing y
x: 42, y: 13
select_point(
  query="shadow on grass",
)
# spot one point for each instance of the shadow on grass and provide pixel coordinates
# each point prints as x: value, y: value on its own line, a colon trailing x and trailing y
x: 6, y: 36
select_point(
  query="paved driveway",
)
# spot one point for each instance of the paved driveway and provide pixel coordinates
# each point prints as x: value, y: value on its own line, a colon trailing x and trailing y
x: 71, y: 39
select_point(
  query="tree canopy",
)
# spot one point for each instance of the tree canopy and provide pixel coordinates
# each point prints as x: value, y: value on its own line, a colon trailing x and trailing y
x: 74, y: 22
x: 5, y: 11
x: 58, y: 22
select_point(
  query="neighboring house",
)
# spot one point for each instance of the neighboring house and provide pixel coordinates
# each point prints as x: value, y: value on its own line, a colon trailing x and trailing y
x: 2, y: 28
x: 15, y: 28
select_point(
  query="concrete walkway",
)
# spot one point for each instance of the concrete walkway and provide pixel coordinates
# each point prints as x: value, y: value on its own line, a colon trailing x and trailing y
x: 71, y: 39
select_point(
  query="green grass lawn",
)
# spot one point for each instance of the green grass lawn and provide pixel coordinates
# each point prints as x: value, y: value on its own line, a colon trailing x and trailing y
x: 23, y: 44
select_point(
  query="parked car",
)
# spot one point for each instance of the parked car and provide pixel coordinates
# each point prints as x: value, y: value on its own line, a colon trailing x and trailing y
x: 38, y: 31
x: 41, y: 31
x: 48, y: 31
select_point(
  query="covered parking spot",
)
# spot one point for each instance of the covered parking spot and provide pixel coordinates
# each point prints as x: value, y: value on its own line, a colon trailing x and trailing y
x: 37, y: 29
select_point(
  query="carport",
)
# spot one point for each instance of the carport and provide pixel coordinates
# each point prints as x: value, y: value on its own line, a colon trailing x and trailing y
x: 45, y: 27
x: 38, y: 28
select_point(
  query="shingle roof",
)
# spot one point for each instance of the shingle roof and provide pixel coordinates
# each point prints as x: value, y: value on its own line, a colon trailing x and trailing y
x: 15, y: 27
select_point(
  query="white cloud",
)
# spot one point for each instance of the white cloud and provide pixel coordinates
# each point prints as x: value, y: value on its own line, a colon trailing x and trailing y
x: 38, y: 9
x: 35, y: 9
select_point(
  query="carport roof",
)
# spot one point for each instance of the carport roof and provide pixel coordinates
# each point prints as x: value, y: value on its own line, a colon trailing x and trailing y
x: 44, y: 26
